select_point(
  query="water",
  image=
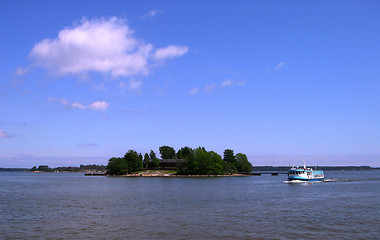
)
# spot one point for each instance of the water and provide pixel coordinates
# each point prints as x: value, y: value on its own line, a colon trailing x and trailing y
x: 73, y: 206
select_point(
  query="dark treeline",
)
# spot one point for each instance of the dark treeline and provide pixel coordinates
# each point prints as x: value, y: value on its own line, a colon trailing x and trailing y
x: 325, y: 168
x: 81, y: 168
x: 190, y: 162
x: 14, y: 169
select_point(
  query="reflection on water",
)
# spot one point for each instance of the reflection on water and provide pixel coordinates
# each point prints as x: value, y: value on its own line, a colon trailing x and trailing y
x: 70, y: 205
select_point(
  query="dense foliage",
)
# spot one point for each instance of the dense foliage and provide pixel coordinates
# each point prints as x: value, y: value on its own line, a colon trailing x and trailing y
x: 131, y: 162
x: 189, y: 161
x: 202, y: 162
x: 242, y: 163
x: 167, y: 152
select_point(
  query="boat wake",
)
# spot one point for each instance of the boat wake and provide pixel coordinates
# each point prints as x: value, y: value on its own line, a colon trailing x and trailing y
x: 329, y: 181
x: 311, y: 182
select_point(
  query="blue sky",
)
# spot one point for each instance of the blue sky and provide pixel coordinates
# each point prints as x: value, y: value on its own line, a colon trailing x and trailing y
x: 280, y: 81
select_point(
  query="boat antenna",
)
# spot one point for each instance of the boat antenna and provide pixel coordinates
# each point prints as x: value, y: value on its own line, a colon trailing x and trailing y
x: 304, y: 166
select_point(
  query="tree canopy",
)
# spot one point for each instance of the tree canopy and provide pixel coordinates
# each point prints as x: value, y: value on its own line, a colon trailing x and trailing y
x: 117, y: 166
x: 154, y: 162
x: 242, y: 163
x: 167, y: 152
x: 131, y: 162
x: 197, y: 161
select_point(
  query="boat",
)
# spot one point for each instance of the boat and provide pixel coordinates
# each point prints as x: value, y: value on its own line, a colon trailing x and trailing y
x: 305, y: 174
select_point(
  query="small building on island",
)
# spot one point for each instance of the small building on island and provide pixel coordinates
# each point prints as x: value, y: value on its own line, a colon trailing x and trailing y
x: 170, y: 164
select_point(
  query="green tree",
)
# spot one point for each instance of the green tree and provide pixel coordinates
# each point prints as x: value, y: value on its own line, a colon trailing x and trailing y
x: 229, y: 158
x: 167, y: 152
x: 117, y: 166
x: 242, y: 163
x: 209, y: 162
x: 219, y: 166
x: 133, y: 161
x: 146, y: 160
x: 33, y: 169
x: 204, y: 163
x: 44, y: 168
x: 154, y: 160
x: 152, y: 155
x: 185, y: 153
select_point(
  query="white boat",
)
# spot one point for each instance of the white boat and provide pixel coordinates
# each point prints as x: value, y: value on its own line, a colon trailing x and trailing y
x: 305, y: 174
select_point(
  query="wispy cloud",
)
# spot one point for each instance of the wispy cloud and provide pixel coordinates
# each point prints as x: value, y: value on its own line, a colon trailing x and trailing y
x: 132, y: 85
x: 62, y: 101
x: 97, y: 106
x: 103, y: 45
x: 4, y: 134
x: 170, y: 52
x: 134, y: 112
x: 151, y: 13
x: 279, y: 65
x: 98, y: 87
x: 241, y: 83
x: 227, y: 83
x: 78, y: 105
x: 21, y: 71
x: 230, y: 82
x: 210, y: 88
x: 194, y: 91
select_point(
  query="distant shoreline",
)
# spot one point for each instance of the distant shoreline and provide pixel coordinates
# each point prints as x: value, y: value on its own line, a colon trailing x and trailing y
x: 255, y: 168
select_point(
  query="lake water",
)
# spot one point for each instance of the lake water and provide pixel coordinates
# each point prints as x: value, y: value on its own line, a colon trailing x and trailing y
x: 74, y: 206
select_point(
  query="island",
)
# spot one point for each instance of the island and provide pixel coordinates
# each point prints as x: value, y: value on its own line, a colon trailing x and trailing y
x: 185, y: 162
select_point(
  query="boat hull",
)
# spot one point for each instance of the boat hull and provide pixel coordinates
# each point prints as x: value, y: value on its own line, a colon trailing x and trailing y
x: 294, y: 178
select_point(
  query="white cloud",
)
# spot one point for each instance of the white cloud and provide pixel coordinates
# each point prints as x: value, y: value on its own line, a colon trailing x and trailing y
x: 194, y: 91
x: 170, y: 52
x: 210, y: 88
x: 227, y: 83
x: 151, y: 13
x: 97, y: 106
x: 4, y: 134
x: 279, y: 65
x: 99, y: 45
x: 78, y: 105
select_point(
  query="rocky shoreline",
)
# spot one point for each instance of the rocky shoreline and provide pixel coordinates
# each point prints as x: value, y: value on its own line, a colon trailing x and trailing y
x: 164, y: 173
